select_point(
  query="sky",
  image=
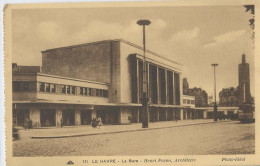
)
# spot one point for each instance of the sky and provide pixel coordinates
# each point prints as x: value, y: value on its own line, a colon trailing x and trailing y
x: 192, y: 35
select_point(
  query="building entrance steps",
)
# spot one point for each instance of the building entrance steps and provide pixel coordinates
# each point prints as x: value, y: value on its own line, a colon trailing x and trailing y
x: 77, y: 131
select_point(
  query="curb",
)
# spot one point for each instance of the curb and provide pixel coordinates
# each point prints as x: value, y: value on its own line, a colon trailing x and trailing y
x: 124, y: 131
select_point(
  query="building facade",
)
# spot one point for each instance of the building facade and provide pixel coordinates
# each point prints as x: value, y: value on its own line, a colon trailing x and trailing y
x: 229, y: 97
x: 78, y: 83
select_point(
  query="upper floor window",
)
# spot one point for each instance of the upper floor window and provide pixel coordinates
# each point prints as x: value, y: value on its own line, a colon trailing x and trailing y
x: 86, y: 92
x: 105, y: 93
x: 73, y: 90
x: 48, y: 87
x: 53, y: 88
x: 68, y: 89
x: 81, y: 90
x: 184, y: 101
x: 63, y: 89
x: 42, y: 87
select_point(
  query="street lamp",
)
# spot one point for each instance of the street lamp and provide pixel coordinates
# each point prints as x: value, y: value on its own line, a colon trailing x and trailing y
x: 215, y: 104
x: 144, y: 98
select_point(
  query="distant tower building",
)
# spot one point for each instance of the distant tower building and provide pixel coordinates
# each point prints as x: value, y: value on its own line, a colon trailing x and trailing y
x: 185, y: 86
x: 244, y: 82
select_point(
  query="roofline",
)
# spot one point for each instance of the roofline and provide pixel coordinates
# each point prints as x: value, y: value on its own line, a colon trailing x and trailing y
x: 111, y: 40
x: 61, y: 77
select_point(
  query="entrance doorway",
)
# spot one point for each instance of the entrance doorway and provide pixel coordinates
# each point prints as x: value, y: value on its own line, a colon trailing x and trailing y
x: 108, y: 116
x: 85, y: 117
x: 19, y: 116
x: 48, y: 117
x: 68, y: 117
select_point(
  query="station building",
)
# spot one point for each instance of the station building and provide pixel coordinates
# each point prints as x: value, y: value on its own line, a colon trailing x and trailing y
x: 77, y: 83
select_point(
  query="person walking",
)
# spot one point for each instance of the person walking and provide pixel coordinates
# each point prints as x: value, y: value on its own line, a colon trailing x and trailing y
x: 99, y: 122
x: 26, y: 124
x: 94, y: 122
x: 61, y: 122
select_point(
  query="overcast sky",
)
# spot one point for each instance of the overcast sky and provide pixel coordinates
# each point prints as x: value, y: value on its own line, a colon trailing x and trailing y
x: 193, y: 36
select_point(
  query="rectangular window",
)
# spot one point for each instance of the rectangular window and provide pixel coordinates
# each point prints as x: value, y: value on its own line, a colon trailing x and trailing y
x: 73, y: 90
x: 184, y: 101
x: 63, y: 89
x: 81, y: 90
x: 68, y: 89
x: 16, y: 86
x: 53, y: 88
x: 90, y: 91
x: 105, y: 93
x: 48, y: 87
x: 26, y: 86
x: 42, y: 86
x: 188, y: 101
x: 97, y: 92
x: 86, y: 91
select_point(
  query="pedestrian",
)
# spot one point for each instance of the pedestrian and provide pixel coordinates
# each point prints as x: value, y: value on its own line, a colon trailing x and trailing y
x: 94, y: 122
x: 61, y: 122
x: 26, y: 124
x: 30, y: 124
x: 99, y: 122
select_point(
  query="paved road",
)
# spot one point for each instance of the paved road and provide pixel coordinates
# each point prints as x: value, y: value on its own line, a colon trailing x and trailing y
x: 214, y: 138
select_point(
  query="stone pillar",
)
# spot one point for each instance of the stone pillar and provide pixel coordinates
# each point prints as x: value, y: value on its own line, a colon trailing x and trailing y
x: 166, y: 114
x: 137, y: 116
x: 137, y: 80
x: 158, y: 114
x: 93, y: 114
x: 205, y: 114
x: 181, y: 114
x: 77, y: 118
x: 166, y: 87
x: 173, y: 89
x: 181, y: 89
x: 35, y: 116
x: 58, y: 116
x: 158, y: 87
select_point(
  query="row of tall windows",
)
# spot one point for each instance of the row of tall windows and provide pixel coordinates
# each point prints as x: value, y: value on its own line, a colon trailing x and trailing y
x: 24, y: 86
x: 186, y: 101
x: 69, y: 89
x: 31, y: 86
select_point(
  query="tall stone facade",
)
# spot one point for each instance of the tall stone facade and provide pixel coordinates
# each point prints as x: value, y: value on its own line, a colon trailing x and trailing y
x: 229, y: 97
x: 244, y: 82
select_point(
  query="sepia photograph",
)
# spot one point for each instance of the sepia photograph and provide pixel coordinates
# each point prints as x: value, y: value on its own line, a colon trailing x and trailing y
x: 112, y: 79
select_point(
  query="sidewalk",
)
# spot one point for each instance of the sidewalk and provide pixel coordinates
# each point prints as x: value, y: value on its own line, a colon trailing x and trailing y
x: 77, y: 131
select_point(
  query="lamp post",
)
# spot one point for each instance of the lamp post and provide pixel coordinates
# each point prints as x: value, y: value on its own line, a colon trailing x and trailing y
x: 144, y: 98
x: 215, y: 104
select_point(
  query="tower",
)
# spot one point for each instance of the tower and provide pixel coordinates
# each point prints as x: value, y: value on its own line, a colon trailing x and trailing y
x: 244, y: 82
x: 185, y: 86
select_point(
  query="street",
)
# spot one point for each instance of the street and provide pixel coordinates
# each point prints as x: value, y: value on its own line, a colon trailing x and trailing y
x: 213, y: 138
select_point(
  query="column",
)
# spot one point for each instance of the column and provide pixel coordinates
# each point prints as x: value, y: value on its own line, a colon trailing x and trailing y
x: 158, y: 114
x: 166, y: 114
x: 77, y: 117
x: 181, y: 114
x: 173, y: 89
x: 181, y: 88
x: 35, y: 116
x: 137, y: 80
x: 158, y: 87
x: 166, y: 87
x: 58, y: 116
x: 137, y: 116
x: 93, y: 114
x: 205, y: 114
